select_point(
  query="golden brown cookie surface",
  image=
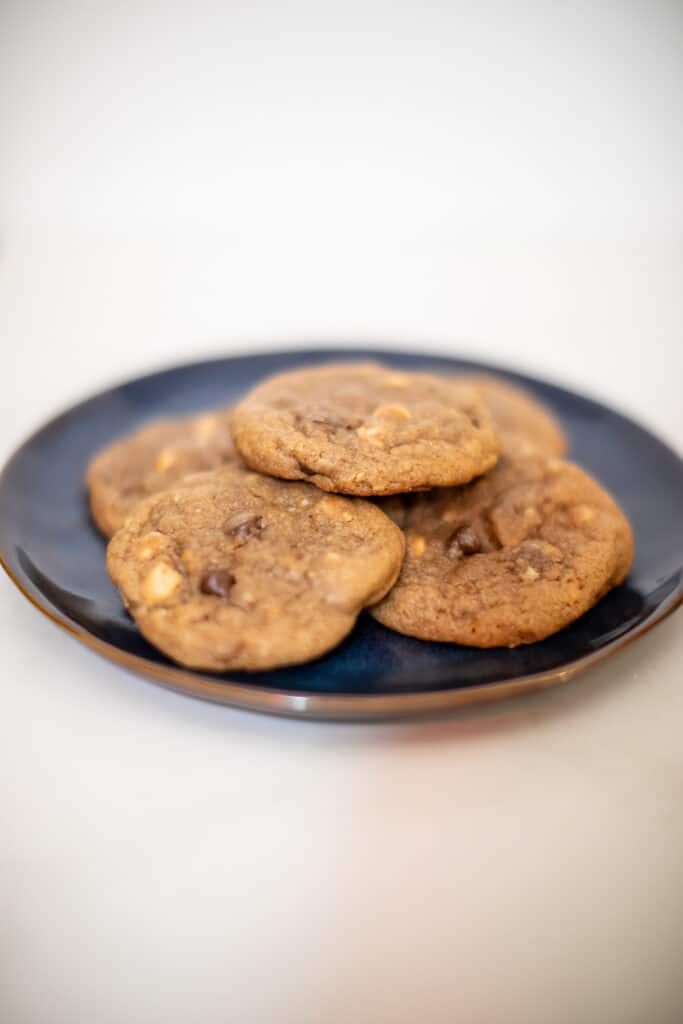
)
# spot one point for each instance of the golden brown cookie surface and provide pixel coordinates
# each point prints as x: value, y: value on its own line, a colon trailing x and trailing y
x: 366, y: 429
x: 232, y: 570
x: 510, y: 559
x: 153, y: 459
x: 525, y: 426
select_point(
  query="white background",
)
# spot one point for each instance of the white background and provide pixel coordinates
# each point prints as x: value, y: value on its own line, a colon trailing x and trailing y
x: 494, y: 179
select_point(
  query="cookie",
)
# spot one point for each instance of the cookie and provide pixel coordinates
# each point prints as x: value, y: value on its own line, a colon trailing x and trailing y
x: 365, y: 429
x: 524, y: 425
x: 152, y: 460
x: 232, y: 570
x: 509, y: 559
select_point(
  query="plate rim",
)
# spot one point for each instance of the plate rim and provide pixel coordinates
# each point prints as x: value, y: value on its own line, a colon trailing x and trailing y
x: 327, y: 706
x: 344, y: 707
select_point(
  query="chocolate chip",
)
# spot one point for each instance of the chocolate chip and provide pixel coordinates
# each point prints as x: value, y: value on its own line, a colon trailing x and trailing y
x: 327, y: 426
x: 244, y: 526
x: 217, y: 583
x: 464, y: 541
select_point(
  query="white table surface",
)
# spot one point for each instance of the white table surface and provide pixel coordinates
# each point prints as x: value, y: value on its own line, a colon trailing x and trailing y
x: 166, y: 860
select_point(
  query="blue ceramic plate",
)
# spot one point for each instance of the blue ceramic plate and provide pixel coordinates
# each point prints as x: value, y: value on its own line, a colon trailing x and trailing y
x: 52, y: 551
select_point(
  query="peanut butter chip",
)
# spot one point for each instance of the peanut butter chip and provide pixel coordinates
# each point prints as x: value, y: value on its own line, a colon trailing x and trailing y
x: 335, y: 508
x: 549, y: 550
x: 373, y: 435
x: 205, y: 426
x: 190, y: 560
x: 417, y: 546
x: 329, y: 506
x: 392, y: 412
x: 160, y: 583
x: 151, y: 544
x: 530, y: 574
x: 583, y: 514
x: 165, y: 459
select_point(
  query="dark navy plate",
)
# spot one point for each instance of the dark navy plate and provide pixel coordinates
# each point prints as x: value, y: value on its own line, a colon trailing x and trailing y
x: 52, y: 551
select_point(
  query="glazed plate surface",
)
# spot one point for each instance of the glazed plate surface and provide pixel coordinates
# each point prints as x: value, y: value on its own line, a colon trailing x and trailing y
x: 54, y: 554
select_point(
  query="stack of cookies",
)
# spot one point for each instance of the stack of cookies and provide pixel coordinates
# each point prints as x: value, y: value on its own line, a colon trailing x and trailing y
x: 253, y: 538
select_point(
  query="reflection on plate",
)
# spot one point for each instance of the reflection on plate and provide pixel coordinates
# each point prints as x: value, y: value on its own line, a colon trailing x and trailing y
x: 53, y: 553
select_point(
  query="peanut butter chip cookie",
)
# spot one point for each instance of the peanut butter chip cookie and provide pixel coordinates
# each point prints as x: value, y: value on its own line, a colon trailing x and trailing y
x: 525, y: 426
x: 232, y: 570
x: 509, y: 559
x: 362, y: 428
x: 153, y: 459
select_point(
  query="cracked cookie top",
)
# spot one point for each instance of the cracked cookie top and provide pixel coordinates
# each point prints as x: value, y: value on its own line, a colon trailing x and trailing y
x: 509, y: 559
x: 366, y: 429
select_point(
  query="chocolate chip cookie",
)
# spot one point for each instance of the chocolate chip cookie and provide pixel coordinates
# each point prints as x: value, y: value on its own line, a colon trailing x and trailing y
x: 509, y: 559
x: 232, y: 570
x: 152, y: 460
x: 524, y: 425
x: 365, y: 429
